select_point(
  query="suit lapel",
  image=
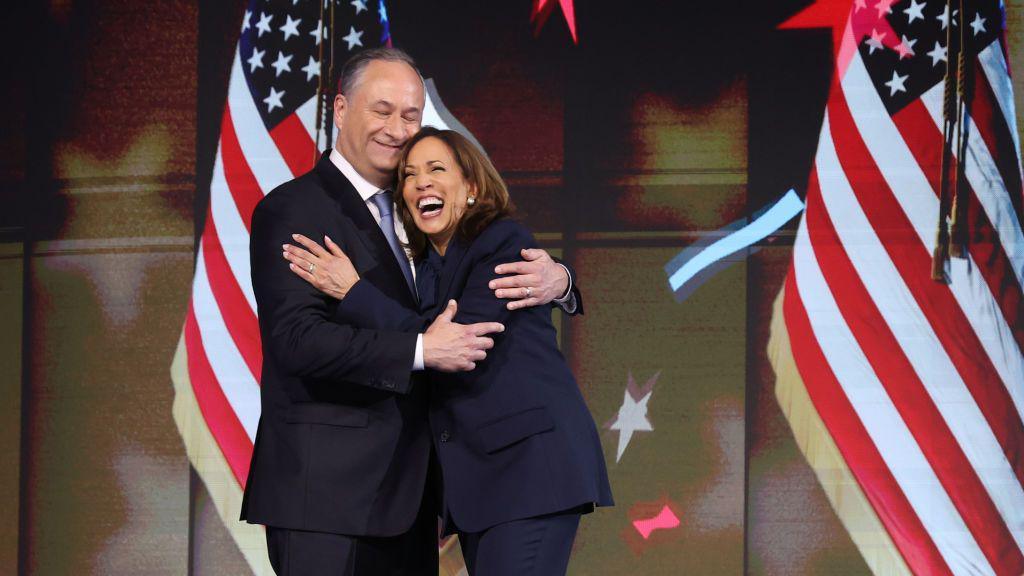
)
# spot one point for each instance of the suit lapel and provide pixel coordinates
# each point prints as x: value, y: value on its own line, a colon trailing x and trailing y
x: 353, y: 206
x: 456, y: 252
x: 428, y: 272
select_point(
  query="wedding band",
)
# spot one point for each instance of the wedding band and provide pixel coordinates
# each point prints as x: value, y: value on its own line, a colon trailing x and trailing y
x: 312, y: 267
x: 529, y: 291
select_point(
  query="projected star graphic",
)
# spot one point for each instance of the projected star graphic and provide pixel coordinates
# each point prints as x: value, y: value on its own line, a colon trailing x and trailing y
x: 632, y: 416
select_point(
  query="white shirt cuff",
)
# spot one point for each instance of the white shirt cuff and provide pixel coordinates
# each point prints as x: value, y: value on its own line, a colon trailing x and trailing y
x: 417, y: 361
x: 568, y: 292
x: 567, y: 302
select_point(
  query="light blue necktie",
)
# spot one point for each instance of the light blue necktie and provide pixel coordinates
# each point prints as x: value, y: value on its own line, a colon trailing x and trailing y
x: 385, y: 204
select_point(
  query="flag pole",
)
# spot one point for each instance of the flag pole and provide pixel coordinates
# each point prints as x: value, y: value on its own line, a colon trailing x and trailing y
x: 324, y: 102
x: 965, y: 88
x: 329, y: 91
x: 950, y: 107
x: 320, y: 104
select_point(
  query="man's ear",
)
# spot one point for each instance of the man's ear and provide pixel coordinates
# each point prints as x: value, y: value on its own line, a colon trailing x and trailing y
x: 340, y: 108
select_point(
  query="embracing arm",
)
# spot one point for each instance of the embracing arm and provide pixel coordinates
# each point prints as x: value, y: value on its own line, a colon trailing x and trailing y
x: 365, y: 305
x: 296, y: 318
x: 537, y: 279
x: 444, y: 345
x: 504, y: 242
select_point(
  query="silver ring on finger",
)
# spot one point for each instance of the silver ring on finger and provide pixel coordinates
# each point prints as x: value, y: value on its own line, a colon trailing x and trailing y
x: 529, y: 291
x: 312, y: 267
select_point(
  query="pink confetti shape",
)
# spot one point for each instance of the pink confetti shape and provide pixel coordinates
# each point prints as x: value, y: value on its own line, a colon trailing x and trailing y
x: 665, y: 519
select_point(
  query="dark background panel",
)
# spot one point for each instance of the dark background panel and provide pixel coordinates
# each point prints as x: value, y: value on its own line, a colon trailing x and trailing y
x: 667, y: 121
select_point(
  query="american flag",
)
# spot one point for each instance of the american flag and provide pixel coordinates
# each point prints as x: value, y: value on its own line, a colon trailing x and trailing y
x: 268, y: 135
x: 917, y: 385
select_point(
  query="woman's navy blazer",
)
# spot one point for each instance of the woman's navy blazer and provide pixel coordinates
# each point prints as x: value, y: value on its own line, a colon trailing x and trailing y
x: 514, y: 436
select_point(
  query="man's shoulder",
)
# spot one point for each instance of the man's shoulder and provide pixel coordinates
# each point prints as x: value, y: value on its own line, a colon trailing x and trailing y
x: 296, y: 195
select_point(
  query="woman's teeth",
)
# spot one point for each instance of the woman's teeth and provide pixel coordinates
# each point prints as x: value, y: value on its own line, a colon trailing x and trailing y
x: 430, y: 206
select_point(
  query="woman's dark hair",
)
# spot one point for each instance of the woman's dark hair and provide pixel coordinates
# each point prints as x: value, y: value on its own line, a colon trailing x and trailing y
x: 492, y: 199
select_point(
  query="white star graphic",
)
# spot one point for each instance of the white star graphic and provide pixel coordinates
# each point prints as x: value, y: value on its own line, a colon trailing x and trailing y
x: 884, y: 7
x: 246, y: 24
x: 906, y: 47
x: 913, y: 11
x: 632, y: 418
x: 315, y: 33
x: 875, y: 42
x: 290, y: 28
x: 256, y: 60
x: 311, y: 69
x: 264, y: 24
x: 978, y: 24
x: 632, y: 415
x: 938, y: 54
x: 282, y: 64
x: 359, y: 5
x: 896, y: 84
x: 274, y: 100
x: 944, y: 17
x: 859, y: 5
x: 353, y: 38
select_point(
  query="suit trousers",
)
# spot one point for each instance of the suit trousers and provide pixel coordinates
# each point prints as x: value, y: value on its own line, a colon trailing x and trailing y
x: 305, y: 553
x: 537, y: 546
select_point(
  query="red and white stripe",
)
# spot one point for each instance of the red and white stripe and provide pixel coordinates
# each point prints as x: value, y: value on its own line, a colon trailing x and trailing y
x: 221, y: 331
x: 921, y: 384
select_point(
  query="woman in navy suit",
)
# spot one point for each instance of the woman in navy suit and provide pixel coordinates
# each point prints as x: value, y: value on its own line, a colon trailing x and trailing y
x: 519, y: 451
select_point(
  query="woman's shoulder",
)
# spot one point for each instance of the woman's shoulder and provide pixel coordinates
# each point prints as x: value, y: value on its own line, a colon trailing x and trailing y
x: 504, y: 234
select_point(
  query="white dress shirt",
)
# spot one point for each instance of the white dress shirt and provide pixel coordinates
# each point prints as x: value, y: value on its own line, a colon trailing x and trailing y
x: 367, y: 191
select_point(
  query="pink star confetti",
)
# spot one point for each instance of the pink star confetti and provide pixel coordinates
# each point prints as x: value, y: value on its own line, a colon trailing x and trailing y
x: 666, y: 519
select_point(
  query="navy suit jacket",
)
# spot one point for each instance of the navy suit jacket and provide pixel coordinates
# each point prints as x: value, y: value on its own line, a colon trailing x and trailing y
x: 342, y: 444
x: 514, y: 436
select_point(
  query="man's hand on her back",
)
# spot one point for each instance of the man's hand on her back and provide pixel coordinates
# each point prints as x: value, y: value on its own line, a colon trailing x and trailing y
x: 535, y: 280
x: 452, y: 347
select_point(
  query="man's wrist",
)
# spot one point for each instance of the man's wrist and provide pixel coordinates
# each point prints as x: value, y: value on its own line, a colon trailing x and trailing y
x: 568, y: 291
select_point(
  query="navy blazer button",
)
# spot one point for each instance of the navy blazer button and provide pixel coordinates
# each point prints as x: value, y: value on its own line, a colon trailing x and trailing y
x: 445, y: 436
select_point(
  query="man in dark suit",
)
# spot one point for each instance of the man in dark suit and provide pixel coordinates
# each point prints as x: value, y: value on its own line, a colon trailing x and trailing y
x: 339, y: 471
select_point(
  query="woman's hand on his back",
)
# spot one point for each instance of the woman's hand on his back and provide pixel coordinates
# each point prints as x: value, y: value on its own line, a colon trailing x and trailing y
x: 329, y: 272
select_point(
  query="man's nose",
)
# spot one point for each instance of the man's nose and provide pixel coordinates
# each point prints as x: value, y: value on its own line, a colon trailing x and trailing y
x: 393, y: 127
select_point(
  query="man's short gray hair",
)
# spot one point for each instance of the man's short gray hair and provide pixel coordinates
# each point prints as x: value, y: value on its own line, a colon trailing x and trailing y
x: 352, y: 71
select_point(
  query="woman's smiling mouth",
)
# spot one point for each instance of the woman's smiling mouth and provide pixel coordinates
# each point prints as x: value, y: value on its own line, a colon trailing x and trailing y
x: 430, y: 206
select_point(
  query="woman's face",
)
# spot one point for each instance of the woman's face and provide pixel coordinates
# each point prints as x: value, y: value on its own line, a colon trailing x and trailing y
x: 435, y: 191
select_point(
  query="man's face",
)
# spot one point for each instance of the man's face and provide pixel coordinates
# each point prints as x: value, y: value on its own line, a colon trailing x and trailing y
x: 378, y: 117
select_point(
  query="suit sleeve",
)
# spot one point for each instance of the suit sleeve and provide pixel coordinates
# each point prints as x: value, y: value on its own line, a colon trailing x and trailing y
x: 366, y: 306
x: 572, y: 305
x: 502, y: 245
x: 295, y: 318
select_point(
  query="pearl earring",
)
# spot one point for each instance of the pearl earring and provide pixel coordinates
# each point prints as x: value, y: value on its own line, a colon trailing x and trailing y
x: 471, y: 200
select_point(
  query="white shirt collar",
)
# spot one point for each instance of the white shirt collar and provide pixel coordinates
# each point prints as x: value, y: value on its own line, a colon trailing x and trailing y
x: 364, y: 188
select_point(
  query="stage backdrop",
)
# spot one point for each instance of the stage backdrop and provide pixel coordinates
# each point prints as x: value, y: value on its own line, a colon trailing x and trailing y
x: 633, y: 136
